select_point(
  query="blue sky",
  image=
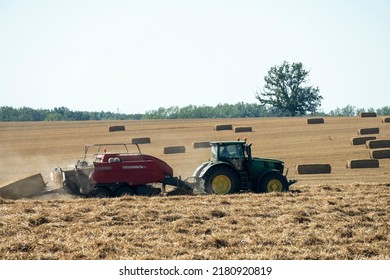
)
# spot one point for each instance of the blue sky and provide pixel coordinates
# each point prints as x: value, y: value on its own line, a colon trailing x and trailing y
x: 134, y: 56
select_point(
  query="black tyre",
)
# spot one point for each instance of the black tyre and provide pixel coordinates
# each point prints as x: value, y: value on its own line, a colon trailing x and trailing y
x: 122, y: 191
x: 146, y: 190
x: 221, y: 180
x: 101, y: 193
x: 273, y: 182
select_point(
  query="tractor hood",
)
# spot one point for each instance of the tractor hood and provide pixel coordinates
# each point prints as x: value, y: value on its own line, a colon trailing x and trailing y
x: 267, y: 163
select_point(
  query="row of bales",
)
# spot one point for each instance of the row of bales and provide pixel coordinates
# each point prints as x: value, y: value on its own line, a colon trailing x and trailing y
x: 182, y: 149
x: 378, y: 149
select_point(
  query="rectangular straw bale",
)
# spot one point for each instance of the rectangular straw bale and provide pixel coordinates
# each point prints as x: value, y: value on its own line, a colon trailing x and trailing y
x: 377, y: 144
x: 371, y: 130
x: 361, y: 140
x: 386, y: 119
x: 315, y: 120
x: 368, y: 115
x: 198, y: 145
x: 174, y: 149
x: 141, y: 140
x: 223, y: 127
x: 313, y: 168
x: 26, y: 187
x: 243, y: 129
x: 379, y: 154
x: 116, y: 128
x: 363, y: 163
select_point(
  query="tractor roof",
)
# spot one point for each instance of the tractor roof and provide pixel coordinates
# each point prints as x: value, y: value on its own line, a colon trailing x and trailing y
x: 223, y: 143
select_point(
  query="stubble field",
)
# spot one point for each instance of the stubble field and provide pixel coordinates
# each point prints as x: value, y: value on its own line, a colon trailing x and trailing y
x: 342, y: 215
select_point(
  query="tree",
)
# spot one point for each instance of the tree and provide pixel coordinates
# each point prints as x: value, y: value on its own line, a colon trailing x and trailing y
x: 285, y: 91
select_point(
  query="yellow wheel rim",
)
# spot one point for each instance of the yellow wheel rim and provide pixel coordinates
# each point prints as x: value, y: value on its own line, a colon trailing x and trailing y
x: 274, y: 185
x: 221, y: 184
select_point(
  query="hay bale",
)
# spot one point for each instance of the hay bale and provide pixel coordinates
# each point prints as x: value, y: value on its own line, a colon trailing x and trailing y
x: 363, y: 163
x: 361, y: 140
x: 116, y: 128
x: 142, y: 140
x: 313, y: 168
x: 315, y: 120
x: 23, y: 188
x: 223, y: 127
x: 238, y: 129
x: 386, y: 119
x: 379, y: 154
x: 174, y: 149
x: 198, y: 145
x: 367, y: 115
x: 371, y: 130
x: 377, y: 144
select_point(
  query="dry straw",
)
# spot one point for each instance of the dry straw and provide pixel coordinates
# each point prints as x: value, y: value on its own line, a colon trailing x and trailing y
x: 371, y: 130
x: 315, y: 120
x: 313, y: 168
x: 361, y: 140
x: 363, y: 163
x: 174, y: 149
x: 377, y: 144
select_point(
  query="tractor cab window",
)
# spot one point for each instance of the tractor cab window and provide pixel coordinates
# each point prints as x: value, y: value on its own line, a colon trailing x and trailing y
x: 231, y: 151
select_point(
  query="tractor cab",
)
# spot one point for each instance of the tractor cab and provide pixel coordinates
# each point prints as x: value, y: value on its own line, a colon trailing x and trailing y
x: 233, y: 152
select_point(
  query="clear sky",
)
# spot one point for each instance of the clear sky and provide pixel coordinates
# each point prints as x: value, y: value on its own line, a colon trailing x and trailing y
x: 133, y: 56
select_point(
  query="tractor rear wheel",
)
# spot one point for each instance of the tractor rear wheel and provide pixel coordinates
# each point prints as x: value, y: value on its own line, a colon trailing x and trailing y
x: 273, y: 182
x: 221, y: 180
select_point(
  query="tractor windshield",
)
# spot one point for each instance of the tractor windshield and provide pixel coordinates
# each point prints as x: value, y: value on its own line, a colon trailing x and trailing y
x: 231, y: 151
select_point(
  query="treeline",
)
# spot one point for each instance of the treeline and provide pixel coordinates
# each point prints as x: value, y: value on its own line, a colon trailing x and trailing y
x: 239, y: 110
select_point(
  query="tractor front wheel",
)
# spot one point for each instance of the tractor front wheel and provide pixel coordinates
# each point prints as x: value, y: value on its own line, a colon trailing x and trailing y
x: 221, y: 180
x: 273, y: 182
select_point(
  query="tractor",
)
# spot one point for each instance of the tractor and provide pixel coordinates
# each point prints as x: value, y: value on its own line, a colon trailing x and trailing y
x: 232, y: 169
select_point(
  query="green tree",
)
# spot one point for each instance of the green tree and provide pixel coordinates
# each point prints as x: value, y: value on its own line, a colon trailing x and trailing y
x: 285, y: 91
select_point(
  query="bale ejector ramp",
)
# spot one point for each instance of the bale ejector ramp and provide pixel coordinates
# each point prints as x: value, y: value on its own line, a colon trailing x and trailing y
x: 24, y: 188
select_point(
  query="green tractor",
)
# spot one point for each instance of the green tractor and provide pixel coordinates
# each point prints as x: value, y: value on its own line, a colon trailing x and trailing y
x: 233, y: 169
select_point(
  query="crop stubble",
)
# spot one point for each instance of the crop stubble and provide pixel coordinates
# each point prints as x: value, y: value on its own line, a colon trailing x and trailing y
x: 342, y: 215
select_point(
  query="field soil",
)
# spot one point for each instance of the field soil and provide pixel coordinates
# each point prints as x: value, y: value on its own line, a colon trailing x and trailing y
x: 341, y: 215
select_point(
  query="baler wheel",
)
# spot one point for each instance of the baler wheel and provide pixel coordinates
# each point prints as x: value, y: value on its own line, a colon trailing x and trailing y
x: 124, y: 191
x: 101, y: 193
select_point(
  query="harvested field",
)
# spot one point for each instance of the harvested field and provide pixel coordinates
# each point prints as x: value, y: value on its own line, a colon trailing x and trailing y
x: 341, y: 215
